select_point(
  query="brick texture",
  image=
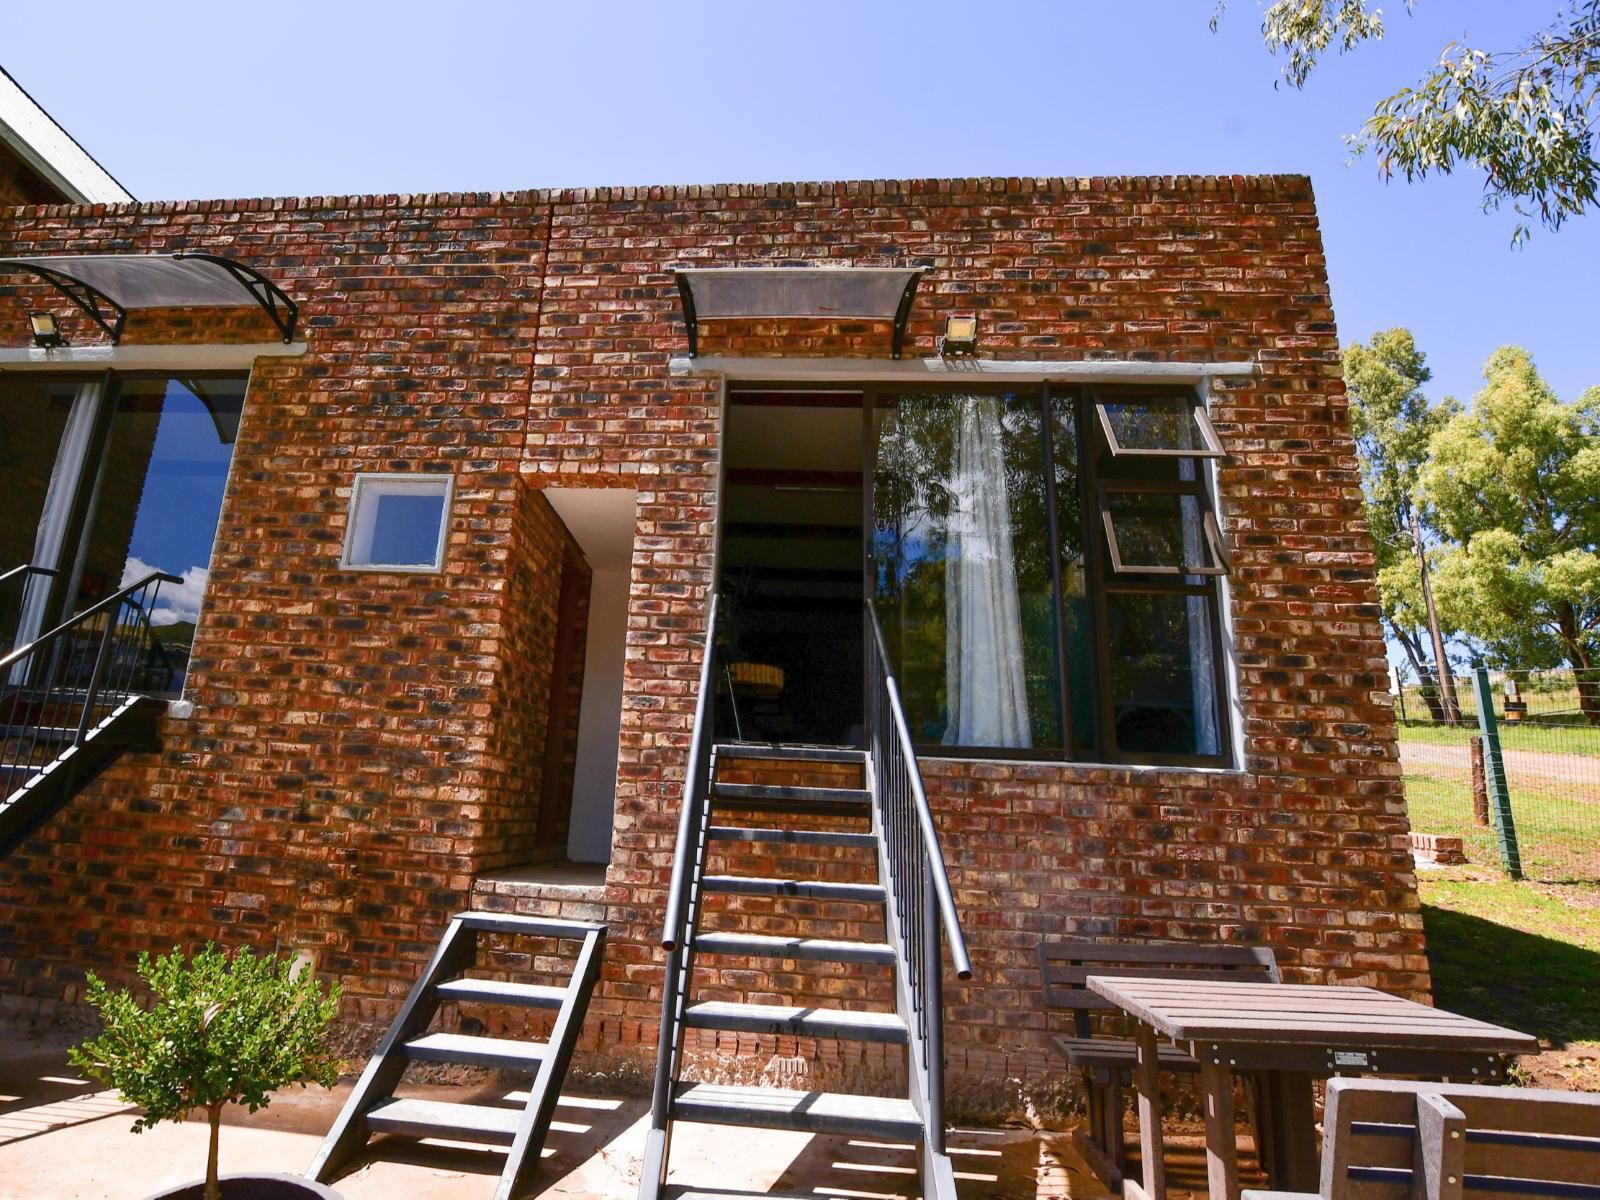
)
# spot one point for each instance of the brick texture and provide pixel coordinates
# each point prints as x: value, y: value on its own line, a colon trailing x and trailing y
x: 363, y: 744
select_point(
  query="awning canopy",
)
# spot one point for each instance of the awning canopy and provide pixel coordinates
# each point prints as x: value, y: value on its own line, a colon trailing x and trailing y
x: 107, y: 286
x: 753, y: 293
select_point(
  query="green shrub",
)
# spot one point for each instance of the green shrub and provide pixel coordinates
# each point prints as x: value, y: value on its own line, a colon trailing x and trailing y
x: 223, y: 1030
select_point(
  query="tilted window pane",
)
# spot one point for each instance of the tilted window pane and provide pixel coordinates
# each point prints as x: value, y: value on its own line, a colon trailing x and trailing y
x: 1163, y: 673
x: 159, y: 496
x: 1160, y: 531
x: 1157, y: 425
x: 963, y: 577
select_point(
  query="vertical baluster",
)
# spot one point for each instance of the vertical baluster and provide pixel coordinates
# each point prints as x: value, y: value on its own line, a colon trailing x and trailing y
x: 932, y: 1020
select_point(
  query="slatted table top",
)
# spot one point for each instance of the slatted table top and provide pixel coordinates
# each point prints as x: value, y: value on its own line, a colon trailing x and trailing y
x: 1299, y: 1014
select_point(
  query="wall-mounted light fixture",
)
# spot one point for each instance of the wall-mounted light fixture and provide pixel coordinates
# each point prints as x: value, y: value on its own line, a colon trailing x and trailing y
x: 45, y: 334
x: 960, y: 336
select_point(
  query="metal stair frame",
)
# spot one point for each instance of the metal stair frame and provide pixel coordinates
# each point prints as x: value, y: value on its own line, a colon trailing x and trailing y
x: 72, y: 700
x: 456, y: 951
x: 919, y: 913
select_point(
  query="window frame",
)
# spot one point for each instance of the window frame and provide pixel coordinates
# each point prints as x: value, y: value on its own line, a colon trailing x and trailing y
x: 1222, y: 564
x: 1197, y: 412
x: 365, y: 483
x: 1100, y: 580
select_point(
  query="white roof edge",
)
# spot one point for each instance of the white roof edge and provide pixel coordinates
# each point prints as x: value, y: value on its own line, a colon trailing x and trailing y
x: 51, y: 150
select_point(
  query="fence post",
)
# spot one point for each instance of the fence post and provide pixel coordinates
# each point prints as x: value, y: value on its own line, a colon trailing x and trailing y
x: 1494, y: 771
x: 1480, y: 789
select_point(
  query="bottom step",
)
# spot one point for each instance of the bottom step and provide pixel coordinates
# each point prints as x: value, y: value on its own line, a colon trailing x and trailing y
x: 806, y: 1112
x: 457, y: 1122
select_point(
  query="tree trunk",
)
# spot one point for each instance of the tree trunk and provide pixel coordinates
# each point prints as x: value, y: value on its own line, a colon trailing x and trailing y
x: 1447, y: 684
x: 1584, y: 671
x: 1413, y: 648
x: 213, y: 1188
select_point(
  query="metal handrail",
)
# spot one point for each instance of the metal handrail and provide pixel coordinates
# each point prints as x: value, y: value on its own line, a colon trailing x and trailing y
x: 25, y: 569
x: 118, y: 597
x: 929, y: 835
x: 696, y: 788
x: 63, y: 685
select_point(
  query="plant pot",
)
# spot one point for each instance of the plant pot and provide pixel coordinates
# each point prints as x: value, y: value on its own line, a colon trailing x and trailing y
x: 253, y: 1187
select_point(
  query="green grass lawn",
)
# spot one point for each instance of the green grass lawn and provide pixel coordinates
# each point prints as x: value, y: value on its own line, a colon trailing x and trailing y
x: 1516, y: 954
x: 1559, y: 839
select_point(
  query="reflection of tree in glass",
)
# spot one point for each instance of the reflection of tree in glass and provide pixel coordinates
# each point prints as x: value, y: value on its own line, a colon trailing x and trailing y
x: 1160, y: 423
x: 914, y: 493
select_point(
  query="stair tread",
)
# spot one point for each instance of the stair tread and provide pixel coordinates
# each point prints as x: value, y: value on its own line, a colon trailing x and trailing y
x: 796, y: 837
x: 812, y: 889
x: 499, y: 991
x: 480, y: 1051
x: 759, y: 945
x: 844, y: 796
x: 779, y: 751
x: 798, y: 1021
x: 780, y: 1108
x: 436, y: 1118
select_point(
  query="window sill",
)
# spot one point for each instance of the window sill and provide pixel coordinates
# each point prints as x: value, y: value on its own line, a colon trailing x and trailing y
x: 1072, y: 766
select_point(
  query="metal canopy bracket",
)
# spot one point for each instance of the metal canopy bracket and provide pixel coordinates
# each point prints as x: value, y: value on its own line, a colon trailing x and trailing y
x: 798, y: 293
x: 108, y: 286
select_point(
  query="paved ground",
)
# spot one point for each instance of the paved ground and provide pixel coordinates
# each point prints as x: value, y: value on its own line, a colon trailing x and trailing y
x: 63, y: 1139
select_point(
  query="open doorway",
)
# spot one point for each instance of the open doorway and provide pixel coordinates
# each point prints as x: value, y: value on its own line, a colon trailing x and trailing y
x: 792, y: 568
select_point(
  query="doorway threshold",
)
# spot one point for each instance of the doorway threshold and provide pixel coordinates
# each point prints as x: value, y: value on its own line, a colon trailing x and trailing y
x: 574, y: 891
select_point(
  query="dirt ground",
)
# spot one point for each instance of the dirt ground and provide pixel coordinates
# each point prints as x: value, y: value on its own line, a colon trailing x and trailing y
x: 1578, y: 770
x: 63, y: 1138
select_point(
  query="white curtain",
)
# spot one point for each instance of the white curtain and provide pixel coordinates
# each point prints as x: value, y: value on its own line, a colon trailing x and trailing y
x: 984, y: 680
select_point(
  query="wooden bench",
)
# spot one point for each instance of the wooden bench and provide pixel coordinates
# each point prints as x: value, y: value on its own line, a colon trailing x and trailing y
x: 1106, y: 1062
x: 1390, y: 1139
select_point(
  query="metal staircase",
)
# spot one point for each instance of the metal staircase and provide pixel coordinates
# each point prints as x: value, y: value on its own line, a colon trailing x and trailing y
x: 373, y: 1107
x: 894, y: 826
x: 75, y: 698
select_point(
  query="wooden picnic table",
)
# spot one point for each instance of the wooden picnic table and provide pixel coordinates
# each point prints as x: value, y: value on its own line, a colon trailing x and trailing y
x: 1289, y: 1033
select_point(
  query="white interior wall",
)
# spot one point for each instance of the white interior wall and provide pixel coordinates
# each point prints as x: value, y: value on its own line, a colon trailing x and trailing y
x: 594, y: 782
x: 602, y: 520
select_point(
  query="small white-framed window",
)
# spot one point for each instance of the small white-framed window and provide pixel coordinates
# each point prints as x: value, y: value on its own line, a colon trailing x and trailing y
x: 398, y: 522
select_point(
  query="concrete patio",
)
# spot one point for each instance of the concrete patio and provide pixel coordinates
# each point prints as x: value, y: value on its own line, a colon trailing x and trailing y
x: 63, y: 1138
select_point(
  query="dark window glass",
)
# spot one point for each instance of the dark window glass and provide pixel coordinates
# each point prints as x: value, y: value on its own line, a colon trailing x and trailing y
x: 1163, y: 678
x: 33, y: 417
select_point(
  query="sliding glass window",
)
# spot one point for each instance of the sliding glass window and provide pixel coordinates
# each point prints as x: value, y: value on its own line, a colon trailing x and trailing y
x: 1044, y: 565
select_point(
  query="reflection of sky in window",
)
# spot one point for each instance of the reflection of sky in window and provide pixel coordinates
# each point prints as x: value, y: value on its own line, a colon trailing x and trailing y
x: 181, y: 498
x: 405, y: 528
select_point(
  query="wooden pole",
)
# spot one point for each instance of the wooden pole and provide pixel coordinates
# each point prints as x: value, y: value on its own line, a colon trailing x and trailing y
x: 1441, y: 664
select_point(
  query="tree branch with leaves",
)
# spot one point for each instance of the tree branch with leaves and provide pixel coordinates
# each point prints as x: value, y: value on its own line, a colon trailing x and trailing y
x: 1524, y: 116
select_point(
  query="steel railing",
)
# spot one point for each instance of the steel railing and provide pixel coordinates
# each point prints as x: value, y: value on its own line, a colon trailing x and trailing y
x: 922, y: 910
x: 688, y: 862
x: 14, y: 599
x: 62, y: 685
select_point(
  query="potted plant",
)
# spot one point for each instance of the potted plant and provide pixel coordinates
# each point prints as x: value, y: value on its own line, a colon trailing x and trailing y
x: 223, y: 1029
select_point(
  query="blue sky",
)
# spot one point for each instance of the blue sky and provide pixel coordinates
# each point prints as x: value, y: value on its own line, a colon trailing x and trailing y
x: 190, y: 100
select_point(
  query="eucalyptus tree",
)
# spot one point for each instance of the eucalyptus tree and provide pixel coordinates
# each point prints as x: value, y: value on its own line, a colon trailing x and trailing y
x: 1513, y: 484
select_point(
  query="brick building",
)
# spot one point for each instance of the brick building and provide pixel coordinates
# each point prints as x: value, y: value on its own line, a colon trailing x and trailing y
x: 446, y: 557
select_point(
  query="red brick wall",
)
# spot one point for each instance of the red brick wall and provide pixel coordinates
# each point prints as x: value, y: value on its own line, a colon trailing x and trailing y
x: 531, y: 333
